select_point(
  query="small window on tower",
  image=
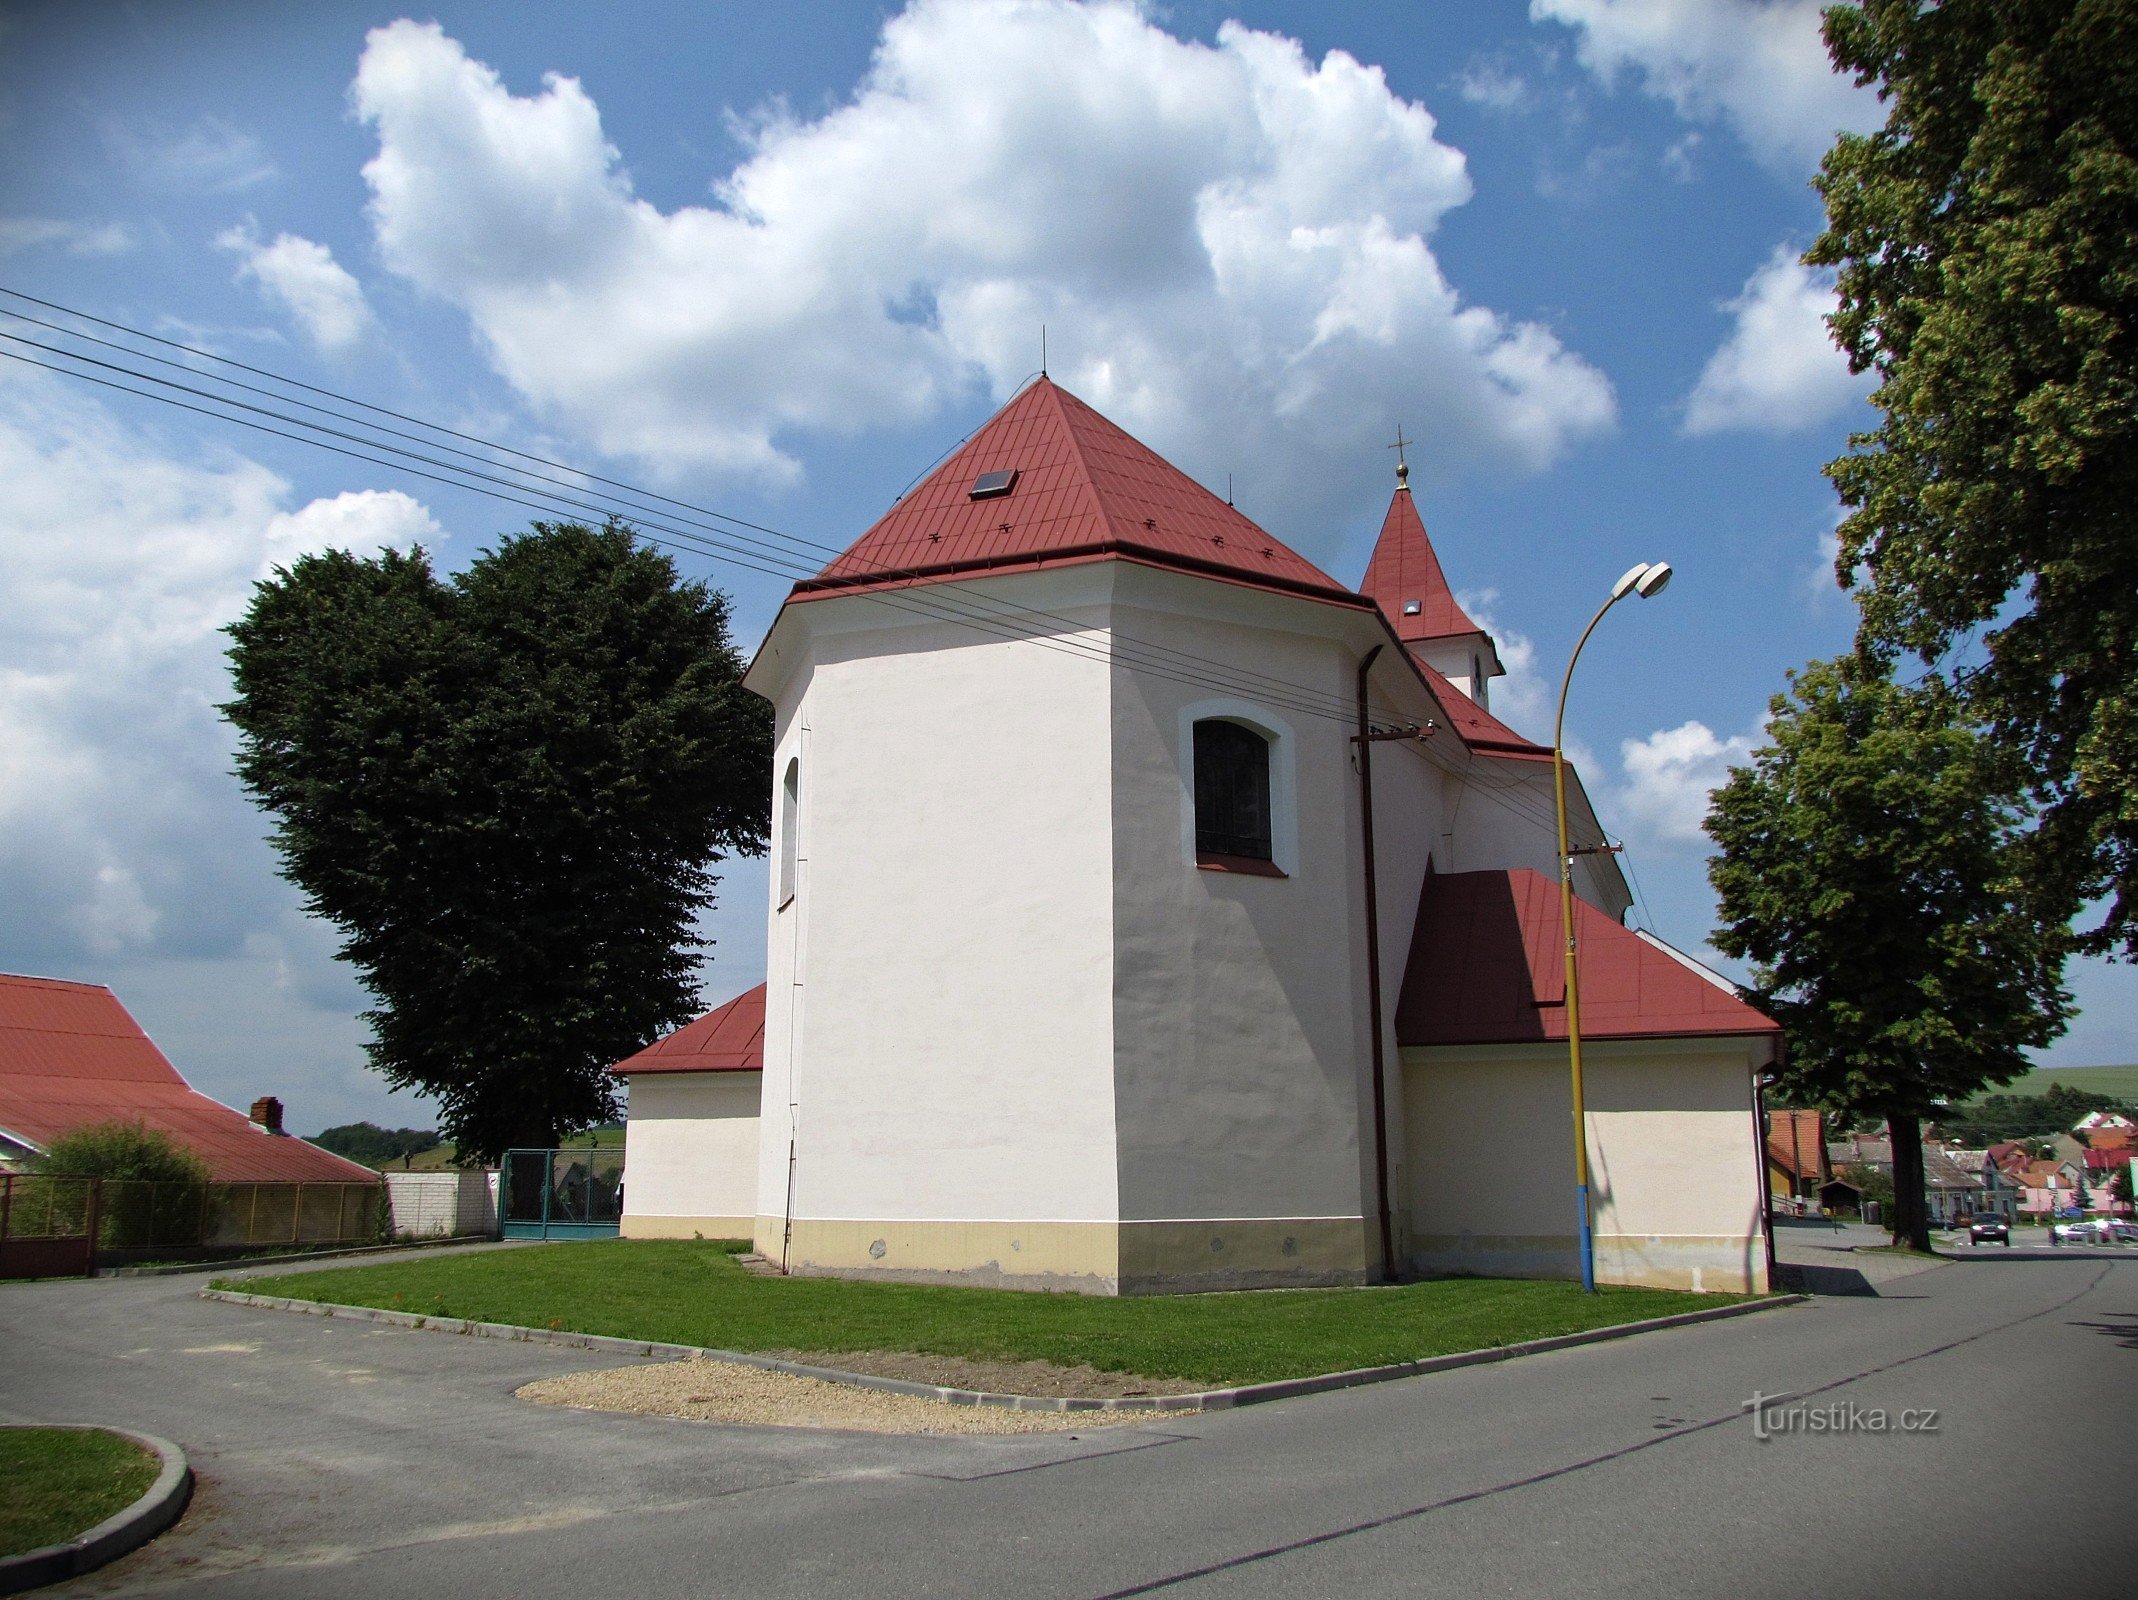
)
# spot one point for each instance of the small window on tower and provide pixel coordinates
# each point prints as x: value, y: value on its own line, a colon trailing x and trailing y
x: 993, y: 485
x: 1412, y: 607
x: 1232, y: 796
x: 790, y: 821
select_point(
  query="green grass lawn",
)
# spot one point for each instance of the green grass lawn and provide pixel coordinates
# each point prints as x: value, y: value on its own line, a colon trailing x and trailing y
x: 692, y: 1292
x: 56, y: 1483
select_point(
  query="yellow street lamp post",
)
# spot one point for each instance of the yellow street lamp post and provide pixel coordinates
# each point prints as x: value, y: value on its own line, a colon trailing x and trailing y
x: 1644, y: 580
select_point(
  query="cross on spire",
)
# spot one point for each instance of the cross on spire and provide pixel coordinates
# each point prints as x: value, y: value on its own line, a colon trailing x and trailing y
x: 1402, y: 462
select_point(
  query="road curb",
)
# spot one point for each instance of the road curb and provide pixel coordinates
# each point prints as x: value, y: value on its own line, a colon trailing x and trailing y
x: 296, y: 1258
x: 112, y: 1538
x: 1208, y: 1400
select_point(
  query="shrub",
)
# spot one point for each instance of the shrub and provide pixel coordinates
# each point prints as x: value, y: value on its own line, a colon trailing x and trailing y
x: 121, y: 1149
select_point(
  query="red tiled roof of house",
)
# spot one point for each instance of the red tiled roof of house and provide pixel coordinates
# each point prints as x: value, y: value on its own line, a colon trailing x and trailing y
x: 1796, y: 1141
x: 729, y: 1038
x: 1404, y: 571
x: 70, y: 1055
x: 1081, y: 489
x: 1486, y: 967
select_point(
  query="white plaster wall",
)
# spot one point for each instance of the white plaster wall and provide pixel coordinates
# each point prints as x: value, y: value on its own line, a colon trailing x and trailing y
x: 1241, y: 1042
x: 1672, y: 1150
x: 692, y: 1144
x: 939, y: 1017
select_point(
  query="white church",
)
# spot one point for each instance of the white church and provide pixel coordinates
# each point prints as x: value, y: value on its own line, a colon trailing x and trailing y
x: 1106, y: 955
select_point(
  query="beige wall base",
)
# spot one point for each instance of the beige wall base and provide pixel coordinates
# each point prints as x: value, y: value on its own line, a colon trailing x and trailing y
x: 643, y: 1227
x: 1104, y: 1258
x: 1704, y: 1264
x: 1242, y: 1253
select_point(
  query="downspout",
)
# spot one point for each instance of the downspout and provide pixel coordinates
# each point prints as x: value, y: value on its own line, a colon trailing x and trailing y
x: 1373, y: 976
x: 1766, y: 1178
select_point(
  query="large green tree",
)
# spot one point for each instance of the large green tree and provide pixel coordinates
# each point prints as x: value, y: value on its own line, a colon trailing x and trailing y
x: 1866, y: 867
x: 1987, y: 246
x: 507, y: 789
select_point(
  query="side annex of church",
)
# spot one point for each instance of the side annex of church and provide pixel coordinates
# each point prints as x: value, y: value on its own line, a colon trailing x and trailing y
x: 1106, y: 955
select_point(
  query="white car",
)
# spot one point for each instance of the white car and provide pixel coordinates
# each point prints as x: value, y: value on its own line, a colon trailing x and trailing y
x: 2096, y: 1230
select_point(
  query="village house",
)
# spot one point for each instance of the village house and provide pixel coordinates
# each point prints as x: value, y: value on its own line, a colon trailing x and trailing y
x: 1151, y: 911
x: 71, y: 1056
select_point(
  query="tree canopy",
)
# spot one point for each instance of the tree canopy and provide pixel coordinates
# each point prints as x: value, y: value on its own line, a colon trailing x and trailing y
x: 1867, y: 867
x: 1987, y: 246
x: 375, y: 1146
x: 507, y: 788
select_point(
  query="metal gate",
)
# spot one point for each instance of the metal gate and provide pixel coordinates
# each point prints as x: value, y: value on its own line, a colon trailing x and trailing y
x: 561, y: 1194
x: 48, y: 1226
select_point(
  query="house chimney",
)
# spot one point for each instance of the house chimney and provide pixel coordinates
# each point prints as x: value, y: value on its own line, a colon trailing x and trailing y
x: 267, y: 1112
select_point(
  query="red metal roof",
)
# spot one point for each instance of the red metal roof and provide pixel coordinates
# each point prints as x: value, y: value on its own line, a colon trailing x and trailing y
x: 70, y: 1055
x: 1084, y: 491
x: 1479, y: 728
x: 1487, y: 967
x: 1403, y: 570
x: 730, y: 1038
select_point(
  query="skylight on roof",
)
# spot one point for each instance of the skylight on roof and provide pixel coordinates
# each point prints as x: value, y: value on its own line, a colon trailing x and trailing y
x: 1412, y: 607
x: 992, y: 485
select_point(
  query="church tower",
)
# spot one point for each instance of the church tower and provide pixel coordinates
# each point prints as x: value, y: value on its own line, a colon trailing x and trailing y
x: 1405, y: 579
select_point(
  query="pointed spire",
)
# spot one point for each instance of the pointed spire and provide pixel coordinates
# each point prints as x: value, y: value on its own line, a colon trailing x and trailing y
x: 1404, y: 577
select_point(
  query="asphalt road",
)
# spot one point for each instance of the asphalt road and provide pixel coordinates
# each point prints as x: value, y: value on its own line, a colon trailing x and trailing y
x: 344, y: 1459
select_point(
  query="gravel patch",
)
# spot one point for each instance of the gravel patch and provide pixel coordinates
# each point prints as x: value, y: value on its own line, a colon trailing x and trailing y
x: 990, y: 1377
x: 721, y: 1391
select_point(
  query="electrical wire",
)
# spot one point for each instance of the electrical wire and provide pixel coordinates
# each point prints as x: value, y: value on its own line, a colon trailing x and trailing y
x: 988, y: 614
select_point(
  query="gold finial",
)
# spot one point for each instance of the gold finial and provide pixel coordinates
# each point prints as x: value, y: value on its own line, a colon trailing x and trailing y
x: 1402, y: 464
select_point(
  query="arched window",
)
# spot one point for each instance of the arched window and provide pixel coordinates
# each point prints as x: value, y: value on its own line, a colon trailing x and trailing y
x: 1232, y: 813
x: 790, y: 806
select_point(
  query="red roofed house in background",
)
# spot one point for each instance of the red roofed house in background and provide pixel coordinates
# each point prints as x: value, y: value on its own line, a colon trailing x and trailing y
x: 1103, y: 954
x: 70, y: 1055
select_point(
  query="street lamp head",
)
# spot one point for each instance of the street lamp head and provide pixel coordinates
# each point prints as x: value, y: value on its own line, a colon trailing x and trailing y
x: 1627, y: 579
x: 1653, y: 580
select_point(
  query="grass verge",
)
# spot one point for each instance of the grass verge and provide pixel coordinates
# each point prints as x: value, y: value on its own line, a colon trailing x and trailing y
x: 692, y: 1292
x: 61, y: 1482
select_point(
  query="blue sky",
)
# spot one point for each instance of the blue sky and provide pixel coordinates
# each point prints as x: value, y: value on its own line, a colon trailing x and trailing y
x: 776, y: 260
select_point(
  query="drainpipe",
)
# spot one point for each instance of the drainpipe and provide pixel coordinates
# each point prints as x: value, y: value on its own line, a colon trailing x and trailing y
x: 1373, y: 976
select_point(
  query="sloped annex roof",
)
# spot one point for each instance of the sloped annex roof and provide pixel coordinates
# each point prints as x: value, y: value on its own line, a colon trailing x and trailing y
x: 1404, y: 571
x: 729, y: 1038
x: 1072, y: 487
x: 71, y: 1055
x: 1479, y: 728
x: 1487, y: 967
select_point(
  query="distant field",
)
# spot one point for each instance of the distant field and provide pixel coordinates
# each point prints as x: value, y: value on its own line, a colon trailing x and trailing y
x: 440, y: 1158
x: 2122, y: 1082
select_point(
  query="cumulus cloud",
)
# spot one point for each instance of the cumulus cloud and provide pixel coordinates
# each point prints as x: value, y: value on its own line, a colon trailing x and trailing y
x: 1228, y: 243
x: 18, y: 234
x: 1779, y: 369
x: 306, y: 281
x: 1758, y: 65
x: 121, y: 831
x: 1670, y: 774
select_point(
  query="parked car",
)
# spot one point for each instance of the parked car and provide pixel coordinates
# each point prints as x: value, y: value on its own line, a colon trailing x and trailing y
x: 2086, y: 1232
x: 1988, y: 1229
x: 2119, y: 1231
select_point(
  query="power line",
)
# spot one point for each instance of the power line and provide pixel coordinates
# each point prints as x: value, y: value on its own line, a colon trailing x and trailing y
x: 987, y: 614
